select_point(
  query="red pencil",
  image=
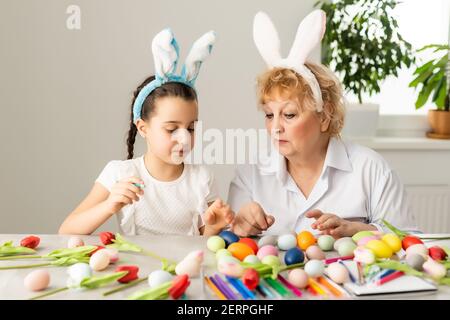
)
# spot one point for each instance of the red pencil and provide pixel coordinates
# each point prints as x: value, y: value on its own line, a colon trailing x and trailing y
x: 389, y: 277
x: 331, y: 260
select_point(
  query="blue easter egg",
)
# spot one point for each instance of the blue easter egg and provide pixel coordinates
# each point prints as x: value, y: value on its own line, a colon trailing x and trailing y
x: 294, y: 255
x: 229, y: 237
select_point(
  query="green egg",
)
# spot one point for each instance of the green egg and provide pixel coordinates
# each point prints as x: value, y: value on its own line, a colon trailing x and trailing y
x: 252, y: 259
x: 271, y: 260
x: 326, y: 242
x: 222, y: 253
x: 215, y: 243
x: 346, y: 249
x: 362, y: 234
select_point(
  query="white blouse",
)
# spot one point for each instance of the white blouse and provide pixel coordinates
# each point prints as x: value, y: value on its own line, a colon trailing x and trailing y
x: 355, y: 183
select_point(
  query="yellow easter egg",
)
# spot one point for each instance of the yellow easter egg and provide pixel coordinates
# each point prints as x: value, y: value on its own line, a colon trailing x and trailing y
x: 381, y: 249
x: 393, y: 241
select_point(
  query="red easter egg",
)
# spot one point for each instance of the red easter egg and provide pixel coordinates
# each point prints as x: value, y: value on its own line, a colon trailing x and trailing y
x: 251, y: 243
x: 409, y: 241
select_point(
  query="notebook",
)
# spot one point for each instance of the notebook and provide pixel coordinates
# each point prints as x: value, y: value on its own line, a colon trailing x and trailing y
x: 403, y: 284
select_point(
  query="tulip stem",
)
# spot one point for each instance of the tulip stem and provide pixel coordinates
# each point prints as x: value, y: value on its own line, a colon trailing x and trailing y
x: 26, y: 266
x: 21, y: 257
x: 49, y: 293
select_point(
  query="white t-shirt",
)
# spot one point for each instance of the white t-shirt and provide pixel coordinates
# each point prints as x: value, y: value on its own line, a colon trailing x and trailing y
x: 355, y: 183
x: 173, y: 207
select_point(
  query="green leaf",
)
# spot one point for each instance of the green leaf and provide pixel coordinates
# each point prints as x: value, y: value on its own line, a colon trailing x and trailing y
x: 424, y: 95
x: 7, y: 249
x: 68, y: 261
x: 98, y: 281
x: 401, y: 234
x: 159, y: 292
x: 123, y: 245
x: 71, y: 252
x: 441, y: 93
x: 397, y: 265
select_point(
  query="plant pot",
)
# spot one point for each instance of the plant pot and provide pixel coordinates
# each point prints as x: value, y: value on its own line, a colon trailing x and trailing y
x: 361, y: 120
x: 440, y: 124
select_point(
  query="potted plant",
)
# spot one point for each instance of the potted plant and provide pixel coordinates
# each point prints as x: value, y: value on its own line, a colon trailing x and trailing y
x: 433, y: 78
x: 363, y: 47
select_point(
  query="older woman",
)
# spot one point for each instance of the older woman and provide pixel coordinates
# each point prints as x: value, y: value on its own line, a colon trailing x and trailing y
x: 315, y: 181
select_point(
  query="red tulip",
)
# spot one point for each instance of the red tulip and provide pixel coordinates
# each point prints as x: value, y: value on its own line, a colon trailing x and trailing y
x: 437, y: 253
x: 130, y: 276
x: 107, y: 237
x: 409, y: 241
x: 250, y: 278
x: 179, y: 286
x: 30, y: 242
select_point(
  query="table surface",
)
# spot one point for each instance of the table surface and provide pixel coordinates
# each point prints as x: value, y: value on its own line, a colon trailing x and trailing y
x: 171, y: 247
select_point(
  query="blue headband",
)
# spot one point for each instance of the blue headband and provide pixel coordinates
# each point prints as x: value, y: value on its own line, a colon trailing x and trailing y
x: 165, y: 54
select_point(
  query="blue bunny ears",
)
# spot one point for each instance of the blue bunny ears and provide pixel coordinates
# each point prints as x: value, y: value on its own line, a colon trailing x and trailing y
x: 165, y: 55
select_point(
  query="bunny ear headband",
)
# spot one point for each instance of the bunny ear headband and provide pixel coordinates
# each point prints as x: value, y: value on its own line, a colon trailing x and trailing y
x: 309, y: 34
x: 165, y: 55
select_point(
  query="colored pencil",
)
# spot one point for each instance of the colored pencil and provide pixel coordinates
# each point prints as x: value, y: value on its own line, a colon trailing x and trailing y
x: 249, y: 293
x: 276, y: 286
x: 220, y: 287
x: 294, y: 290
x: 352, y: 278
x: 389, y: 277
x: 225, y: 287
x: 331, y: 260
x: 214, y: 289
x: 266, y: 290
x: 330, y: 287
x: 313, y: 283
x: 360, y: 273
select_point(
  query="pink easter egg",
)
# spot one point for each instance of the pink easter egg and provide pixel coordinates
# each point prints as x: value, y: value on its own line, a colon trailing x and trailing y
x: 37, y: 280
x: 362, y: 242
x: 267, y: 250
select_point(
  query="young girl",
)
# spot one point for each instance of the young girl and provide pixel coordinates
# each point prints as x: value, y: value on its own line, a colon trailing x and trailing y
x: 157, y: 193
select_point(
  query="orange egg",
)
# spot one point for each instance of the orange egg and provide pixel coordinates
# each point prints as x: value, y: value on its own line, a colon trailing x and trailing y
x: 240, y: 250
x: 305, y: 239
x: 251, y: 243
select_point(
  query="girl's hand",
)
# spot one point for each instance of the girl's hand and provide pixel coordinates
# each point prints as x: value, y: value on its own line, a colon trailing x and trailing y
x: 335, y: 226
x: 123, y: 193
x: 217, y: 217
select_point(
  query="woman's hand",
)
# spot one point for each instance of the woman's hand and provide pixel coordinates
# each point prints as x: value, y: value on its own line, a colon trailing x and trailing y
x: 123, y: 193
x: 251, y: 220
x: 217, y: 216
x: 335, y: 226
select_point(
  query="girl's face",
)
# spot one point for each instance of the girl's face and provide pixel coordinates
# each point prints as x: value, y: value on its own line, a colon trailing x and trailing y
x: 294, y: 130
x: 170, y: 130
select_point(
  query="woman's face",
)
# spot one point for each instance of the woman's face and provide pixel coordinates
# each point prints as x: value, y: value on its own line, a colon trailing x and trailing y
x: 294, y: 130
x: 170, y: 130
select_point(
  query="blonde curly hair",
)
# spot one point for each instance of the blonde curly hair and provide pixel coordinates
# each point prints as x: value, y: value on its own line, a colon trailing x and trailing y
x: 288, y: 82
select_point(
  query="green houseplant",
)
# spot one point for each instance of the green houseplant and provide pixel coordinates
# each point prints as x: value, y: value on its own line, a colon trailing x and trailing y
x: 433, y: 79
x: 363, y: 47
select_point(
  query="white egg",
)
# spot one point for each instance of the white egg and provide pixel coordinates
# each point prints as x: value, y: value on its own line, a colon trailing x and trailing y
x: 314, y: 268
x: 435, y: 269
x: 77, y: 273
x: 37, y: 280
x: 417, y: 249
x: 252, y: 259
x: 286, y: 242
x: 337, y: 272
x: 99, y: 261
x: 74, y: 242
x: 339, y: 241
x: 158, y: 277
x: 298, y: 278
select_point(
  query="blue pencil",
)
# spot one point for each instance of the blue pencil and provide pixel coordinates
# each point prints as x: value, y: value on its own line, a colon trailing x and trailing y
x: 382, y: 274
x: 237, y: 287
x: 352, y: 278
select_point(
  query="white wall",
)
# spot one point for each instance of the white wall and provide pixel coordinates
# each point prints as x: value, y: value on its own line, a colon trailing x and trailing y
x: 65, y: 94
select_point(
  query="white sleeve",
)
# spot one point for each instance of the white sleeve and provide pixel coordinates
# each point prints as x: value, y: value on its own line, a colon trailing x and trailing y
x: 240, y: 192
x: 390, y: 202
x: 110, y: 174
x: 213, y: 192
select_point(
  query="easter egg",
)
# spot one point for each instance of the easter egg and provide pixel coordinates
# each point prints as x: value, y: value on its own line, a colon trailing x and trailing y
x: 361, y: 234
x: 159, y: 277
x: 229, y: 237
x: 325, y: 242
x: 113, y: 254
x: 315, y: 268
x: 267, y: 250
x: 269, y: 239
x: 418, y: 249
x: 409, y: 241
x: 37, y: 280
x: 231, y: 269
x: 305, y: 239
x: 393, y: 241
x: 437, y: 253
x: 379, y: 248
x: 287, y: 241
x: 314, y: 252
x: 74, y: 242
x: 415, y: 261
x: 298, y: 278
x: 363, y: 241
x: 251, y: 243
x: 338, y: 273
x: 363, y: 255
x: 240, y: 250
x: 222, y: 252
x: 293, y: 256
x: 215, y: 243
x: 347, y: 248
x: 77, y: 272
x: 434, y: 269
x: 252, y: 259
x: 99, y: 261
x: 339, y: 241
x: 271, y: 260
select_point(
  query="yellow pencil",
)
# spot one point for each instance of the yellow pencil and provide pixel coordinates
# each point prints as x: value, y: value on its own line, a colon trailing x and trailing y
x: 313, y: 283
x: 215, y: 289
x: 330, y: 287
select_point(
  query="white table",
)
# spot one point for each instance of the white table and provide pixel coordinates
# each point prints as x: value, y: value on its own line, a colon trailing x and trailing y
x: 170, y: 247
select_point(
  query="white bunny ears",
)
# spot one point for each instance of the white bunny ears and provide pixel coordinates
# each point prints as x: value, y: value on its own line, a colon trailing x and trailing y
x: 165, y: 55
x: 309, y: 34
